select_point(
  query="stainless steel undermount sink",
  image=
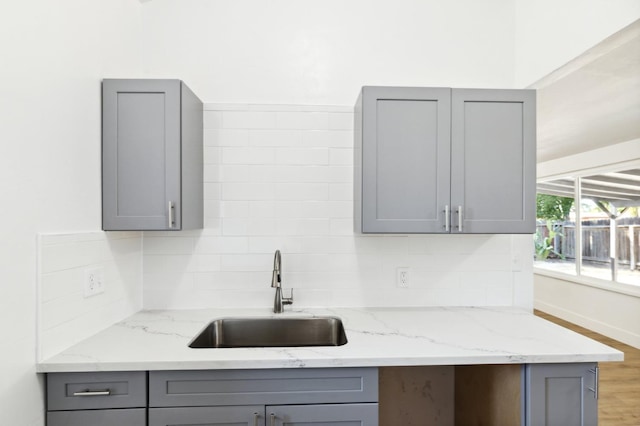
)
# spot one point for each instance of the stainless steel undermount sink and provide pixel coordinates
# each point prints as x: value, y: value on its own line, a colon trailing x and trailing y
x: 271, y: 332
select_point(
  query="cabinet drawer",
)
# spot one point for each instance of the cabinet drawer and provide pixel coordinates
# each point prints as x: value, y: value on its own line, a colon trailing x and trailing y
x: 121, y: 417
x: 246, y: 387
x: 84, y: 391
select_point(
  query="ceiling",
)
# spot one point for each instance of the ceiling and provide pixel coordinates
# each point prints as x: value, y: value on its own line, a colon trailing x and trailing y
x: 594, y: 100
x: 621, y: 188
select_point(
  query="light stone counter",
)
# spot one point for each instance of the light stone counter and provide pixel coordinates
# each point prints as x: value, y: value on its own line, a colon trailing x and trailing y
x: 157, y: 340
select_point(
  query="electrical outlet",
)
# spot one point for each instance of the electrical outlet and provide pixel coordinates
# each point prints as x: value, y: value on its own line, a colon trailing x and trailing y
x: 403, y: 277
x: 93, y: 281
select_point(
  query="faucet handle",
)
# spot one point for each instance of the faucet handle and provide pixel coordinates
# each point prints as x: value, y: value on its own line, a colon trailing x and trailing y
x: 288, y: 300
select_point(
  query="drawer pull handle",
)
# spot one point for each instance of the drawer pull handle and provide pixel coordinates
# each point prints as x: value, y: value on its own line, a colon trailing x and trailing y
x: 273, y: 419
x: 256, y: 416
x: 93, y: 393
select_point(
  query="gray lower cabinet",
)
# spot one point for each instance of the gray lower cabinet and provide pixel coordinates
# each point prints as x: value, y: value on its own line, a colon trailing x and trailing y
x: 324, y: 414
x: 97, y: 399
x: 276, y: 415
x: 441, y: 160
x: 252, y: 415
x: 277, y: 397
x: 562, y: 394
x: 152, y: 155
x: 116, y: 417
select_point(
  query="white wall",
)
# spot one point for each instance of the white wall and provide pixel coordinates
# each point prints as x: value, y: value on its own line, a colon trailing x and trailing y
x: 602, y: 308
x: 550, y: 33
x: 53, y: 57
x: 281, y: 177
x: 322, y: 52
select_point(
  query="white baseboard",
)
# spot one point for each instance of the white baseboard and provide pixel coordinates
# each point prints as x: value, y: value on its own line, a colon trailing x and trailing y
x: 598, y: 326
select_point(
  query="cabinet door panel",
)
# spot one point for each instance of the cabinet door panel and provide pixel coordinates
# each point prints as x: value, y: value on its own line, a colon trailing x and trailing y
x: 559, y: 395
x: 128, y: 417
x: 323, y: 415
x: 405, y: 159
x: 141, y: 153
x: 493, y: 160
x: 207, y: 416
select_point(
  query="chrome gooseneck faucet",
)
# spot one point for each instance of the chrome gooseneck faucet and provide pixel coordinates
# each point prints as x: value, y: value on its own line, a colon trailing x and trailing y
x: 276, y: 282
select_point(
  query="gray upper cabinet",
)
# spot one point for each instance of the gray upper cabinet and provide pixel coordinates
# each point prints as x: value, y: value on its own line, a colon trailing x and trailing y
x: 493, y: 161
x: 440, y: 160
x: 151, y: 155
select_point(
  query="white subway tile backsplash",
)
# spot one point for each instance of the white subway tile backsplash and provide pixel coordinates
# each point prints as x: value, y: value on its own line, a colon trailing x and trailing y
x: 65, y: 316
x: 248, y: 120
x: 341, y: 156
x: 303, y: 209
x: 301, y: 227
x: 341, y: 226
x: 281, y: 177
x: 303, y: 120
x: 340, y: 192
x: 328, y: 138
x: 247, y: 263
x: 340, y: 121
x: 341, y: 174
x: 341, y: 209
x: 262, y: 209
x: 302, y: 156
x: 222, y: 245
x: 248, y: 155
x: 231, y: 209
x: 168, y: 245
x: 212, y: 119
x: 211, y: 155
x: 226, y: 137
x: 275, y: 138
x: 247, y: 191
x: 212, y: 190
x: 302, y: 191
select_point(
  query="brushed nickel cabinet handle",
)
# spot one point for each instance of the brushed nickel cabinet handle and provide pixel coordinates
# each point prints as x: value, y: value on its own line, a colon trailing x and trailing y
x: 459, y: 218
x: 595, y: 389
x: 273, y: 419
x: 106, y: 392
x: 172, y: 214
x: 256, y: 416
x: 447, y: 218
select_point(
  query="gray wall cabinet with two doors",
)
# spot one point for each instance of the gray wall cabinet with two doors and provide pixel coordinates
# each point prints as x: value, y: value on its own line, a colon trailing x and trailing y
x: 152, y: 168
x: 441, y: 160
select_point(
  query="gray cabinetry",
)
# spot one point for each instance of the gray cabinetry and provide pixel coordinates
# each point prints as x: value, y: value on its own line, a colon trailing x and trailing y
x: 340, y: 396
x: 323, y: 414
x: 151, y: 155
x: 562, y: 394
x: 207, y: 416
x: 120, y: 417
x: 108, y: 398
x: 440, y: 160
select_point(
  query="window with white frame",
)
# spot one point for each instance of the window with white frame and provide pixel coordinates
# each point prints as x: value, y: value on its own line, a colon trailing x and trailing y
x: 597, y: 237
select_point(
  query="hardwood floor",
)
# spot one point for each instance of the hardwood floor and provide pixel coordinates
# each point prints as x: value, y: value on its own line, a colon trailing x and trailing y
x: 619, y: 403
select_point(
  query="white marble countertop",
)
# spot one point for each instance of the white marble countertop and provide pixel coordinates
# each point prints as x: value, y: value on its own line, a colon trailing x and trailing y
x: 158, y: 340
